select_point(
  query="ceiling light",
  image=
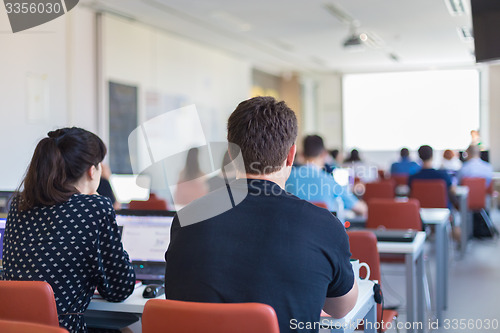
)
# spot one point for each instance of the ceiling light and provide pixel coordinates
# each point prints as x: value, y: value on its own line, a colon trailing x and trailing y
x: 455, y: 7
x: 465, y: 34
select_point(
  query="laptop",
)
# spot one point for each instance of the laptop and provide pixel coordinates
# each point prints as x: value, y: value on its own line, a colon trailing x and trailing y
x: 145, y: 237
x: 2, y: 231
x: 394, y: 235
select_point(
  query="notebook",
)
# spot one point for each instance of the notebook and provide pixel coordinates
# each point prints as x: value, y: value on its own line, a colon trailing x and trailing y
x: 394, y: 235
x: 145, y: 237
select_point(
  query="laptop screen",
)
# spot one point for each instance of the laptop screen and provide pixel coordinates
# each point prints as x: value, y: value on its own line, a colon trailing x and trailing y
x: 2, y: 231
x: 126, y: 189
x: 145, y: 237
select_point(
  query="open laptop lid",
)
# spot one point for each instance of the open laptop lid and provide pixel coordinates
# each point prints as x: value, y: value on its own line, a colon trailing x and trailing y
x: 145, y: 234
x: 394, y: 235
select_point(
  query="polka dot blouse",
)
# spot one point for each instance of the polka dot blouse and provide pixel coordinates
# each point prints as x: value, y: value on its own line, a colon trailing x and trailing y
x: 75, y: 247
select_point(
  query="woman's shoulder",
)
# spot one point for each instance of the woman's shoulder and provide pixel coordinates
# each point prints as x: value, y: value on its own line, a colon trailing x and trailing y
x: 93, y: 202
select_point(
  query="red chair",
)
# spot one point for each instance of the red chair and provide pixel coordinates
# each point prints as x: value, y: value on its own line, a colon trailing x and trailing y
x: 393, y: 214
x: 28, y: 301
x: 163, y: 315
x: 477, y: 200
x: 379, y: 190
x: 153, y: 203
x: 381, y: 174
x: 9, y: 326
x: 432, y: 193
x: 400, y: 179
x: 364, y: 247
x: 320, y: 204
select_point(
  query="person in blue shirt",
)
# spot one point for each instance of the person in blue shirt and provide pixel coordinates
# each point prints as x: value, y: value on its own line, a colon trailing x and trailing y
x: 475, y: 166
x: 405, y: 166
x: 310, y: 182
x: 425, y: 153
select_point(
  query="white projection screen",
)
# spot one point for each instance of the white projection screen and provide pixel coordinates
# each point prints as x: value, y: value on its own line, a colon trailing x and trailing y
x: 387, y: 111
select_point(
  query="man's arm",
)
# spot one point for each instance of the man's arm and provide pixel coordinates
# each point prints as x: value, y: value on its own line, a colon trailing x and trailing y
x: 338, y: 307
x: 360, y: 208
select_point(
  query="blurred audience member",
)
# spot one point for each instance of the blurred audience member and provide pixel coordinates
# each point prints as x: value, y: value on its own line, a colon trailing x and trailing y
x: 474, y: 166
x: 332, y: 160
x: 405, y: 166
x: 105, y: 188
x: 191, y: 184
x: 219, y: 180
x: 353, y: 157
x: 363, y: 171
x: 428, y: 172
x: 450, y: 161
x: 310, y: 182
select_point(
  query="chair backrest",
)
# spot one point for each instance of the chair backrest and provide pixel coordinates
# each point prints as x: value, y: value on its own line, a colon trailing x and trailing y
x: 320, y: 204
x: 363, y: 245
x: 381, y: 174
x: 394, y: 214
x: 477, y: 192
x: 432, y: 193
x: 28, y: 301
x: 162, y: 315
x: 10, y: 326
x: 153, y: 203
x: 381, y: 190
x: 400, y: 179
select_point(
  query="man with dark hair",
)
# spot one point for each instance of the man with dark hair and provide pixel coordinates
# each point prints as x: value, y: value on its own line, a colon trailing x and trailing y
x: 310, y: 182
x: 405, y: 166
x: 271, y: 247
x: 425, y: 153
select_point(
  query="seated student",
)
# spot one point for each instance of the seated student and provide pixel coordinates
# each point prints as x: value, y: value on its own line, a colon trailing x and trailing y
x: 191, y: 184
x: 474, y: 166
x: 364, y: 171
x: 60, y: 231
x: 450, y: 162
x: 332, y: 160
x: 105, y: 188
x: 271, y: 247
x: 221, y: 178
x: 310, y: 182
x: 428, y: 172
x: 405, y: 166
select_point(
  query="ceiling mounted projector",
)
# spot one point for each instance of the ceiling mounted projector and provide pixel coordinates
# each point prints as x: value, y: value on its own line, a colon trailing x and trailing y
x: 356, y: 41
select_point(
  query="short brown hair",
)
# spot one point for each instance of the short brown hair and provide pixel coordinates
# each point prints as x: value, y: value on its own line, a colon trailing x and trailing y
x: 265, y: 130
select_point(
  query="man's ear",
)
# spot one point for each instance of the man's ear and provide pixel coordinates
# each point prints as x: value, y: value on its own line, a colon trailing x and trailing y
x: 291, y: 155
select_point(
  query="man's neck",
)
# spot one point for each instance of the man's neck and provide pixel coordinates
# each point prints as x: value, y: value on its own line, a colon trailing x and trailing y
x: 315, y: 161
x: 280, y: 177
x: 427, y: 164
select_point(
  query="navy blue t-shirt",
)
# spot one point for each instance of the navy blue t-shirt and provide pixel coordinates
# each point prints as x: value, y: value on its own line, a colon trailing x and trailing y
x: 272, y: 248
x: 431, y: 174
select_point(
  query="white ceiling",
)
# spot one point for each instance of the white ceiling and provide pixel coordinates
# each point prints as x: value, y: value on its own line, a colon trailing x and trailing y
x: 287, y: 35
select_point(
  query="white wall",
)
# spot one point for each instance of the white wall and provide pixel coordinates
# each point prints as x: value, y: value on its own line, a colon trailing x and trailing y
x: 326, y: 119
x: 59, y: 53
x: 154, y: 60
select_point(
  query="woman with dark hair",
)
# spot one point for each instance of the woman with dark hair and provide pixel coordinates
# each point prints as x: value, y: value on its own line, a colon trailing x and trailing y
x: 59, y: 230
x: 191, y: 184
x: 353, y: 157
